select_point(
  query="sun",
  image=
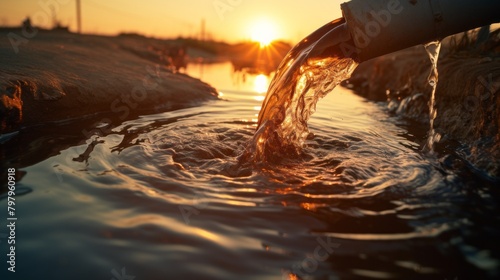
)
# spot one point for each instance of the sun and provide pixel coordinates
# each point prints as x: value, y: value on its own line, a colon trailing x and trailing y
x: 263, y: 31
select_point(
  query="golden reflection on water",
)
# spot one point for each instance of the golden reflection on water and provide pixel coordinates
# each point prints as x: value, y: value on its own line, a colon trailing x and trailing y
x: 308, y: 206
x: 261, y: 83
x: 206, y: 234
x: 291, y: 276
x: 248, y: 85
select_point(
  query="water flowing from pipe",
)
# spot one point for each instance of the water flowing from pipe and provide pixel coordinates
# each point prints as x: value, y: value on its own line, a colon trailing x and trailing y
x: 299, y: 83
x: 433, y: 49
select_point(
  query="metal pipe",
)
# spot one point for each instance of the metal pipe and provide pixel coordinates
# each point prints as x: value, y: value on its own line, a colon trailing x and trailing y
x: 379, y: 27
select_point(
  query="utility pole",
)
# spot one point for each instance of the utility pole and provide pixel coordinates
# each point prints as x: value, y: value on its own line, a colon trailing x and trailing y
x: 78, y: 16
x: 54, y: 17
x: 202, y: 33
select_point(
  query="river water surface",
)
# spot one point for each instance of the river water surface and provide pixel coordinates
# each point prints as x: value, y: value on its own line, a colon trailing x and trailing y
x: 162, y: 197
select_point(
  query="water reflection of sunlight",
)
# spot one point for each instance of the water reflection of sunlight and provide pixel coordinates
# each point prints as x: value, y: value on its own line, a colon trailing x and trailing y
x: 207, y: 235
x: 261, y: 83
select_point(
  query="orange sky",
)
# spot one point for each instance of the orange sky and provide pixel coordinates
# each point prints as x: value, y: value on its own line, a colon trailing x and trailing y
x: 230, y: 20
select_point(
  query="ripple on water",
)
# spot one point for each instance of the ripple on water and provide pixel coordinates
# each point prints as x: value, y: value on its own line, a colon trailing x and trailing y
x: 168, y: 190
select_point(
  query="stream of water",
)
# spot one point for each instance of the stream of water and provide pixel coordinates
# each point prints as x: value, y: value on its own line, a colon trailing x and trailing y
x: 300, y: 82
x: 177, y: 195
x: 433, y: 49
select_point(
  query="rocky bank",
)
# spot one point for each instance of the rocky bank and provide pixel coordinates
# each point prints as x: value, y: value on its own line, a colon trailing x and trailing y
x: 467, y: 95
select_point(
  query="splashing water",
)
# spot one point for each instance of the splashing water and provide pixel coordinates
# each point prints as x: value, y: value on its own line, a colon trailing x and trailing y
x: 299, y: 83
x: 433, y: 49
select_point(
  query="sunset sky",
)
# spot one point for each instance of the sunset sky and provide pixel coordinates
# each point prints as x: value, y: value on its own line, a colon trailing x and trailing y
x: 229, y: 20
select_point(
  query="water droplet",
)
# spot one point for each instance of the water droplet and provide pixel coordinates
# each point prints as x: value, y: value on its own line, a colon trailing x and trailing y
x: 432, y: 82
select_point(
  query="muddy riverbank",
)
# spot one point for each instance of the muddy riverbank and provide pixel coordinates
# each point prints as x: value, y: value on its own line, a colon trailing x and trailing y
x: 56, y: 76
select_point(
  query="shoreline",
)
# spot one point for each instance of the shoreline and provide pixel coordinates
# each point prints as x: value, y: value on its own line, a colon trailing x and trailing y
x: 58, y: 76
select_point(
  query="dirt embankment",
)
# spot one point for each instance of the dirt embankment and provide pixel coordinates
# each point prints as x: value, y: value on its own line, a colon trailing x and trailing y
x: 467, y: 95
x: 54, y: 76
